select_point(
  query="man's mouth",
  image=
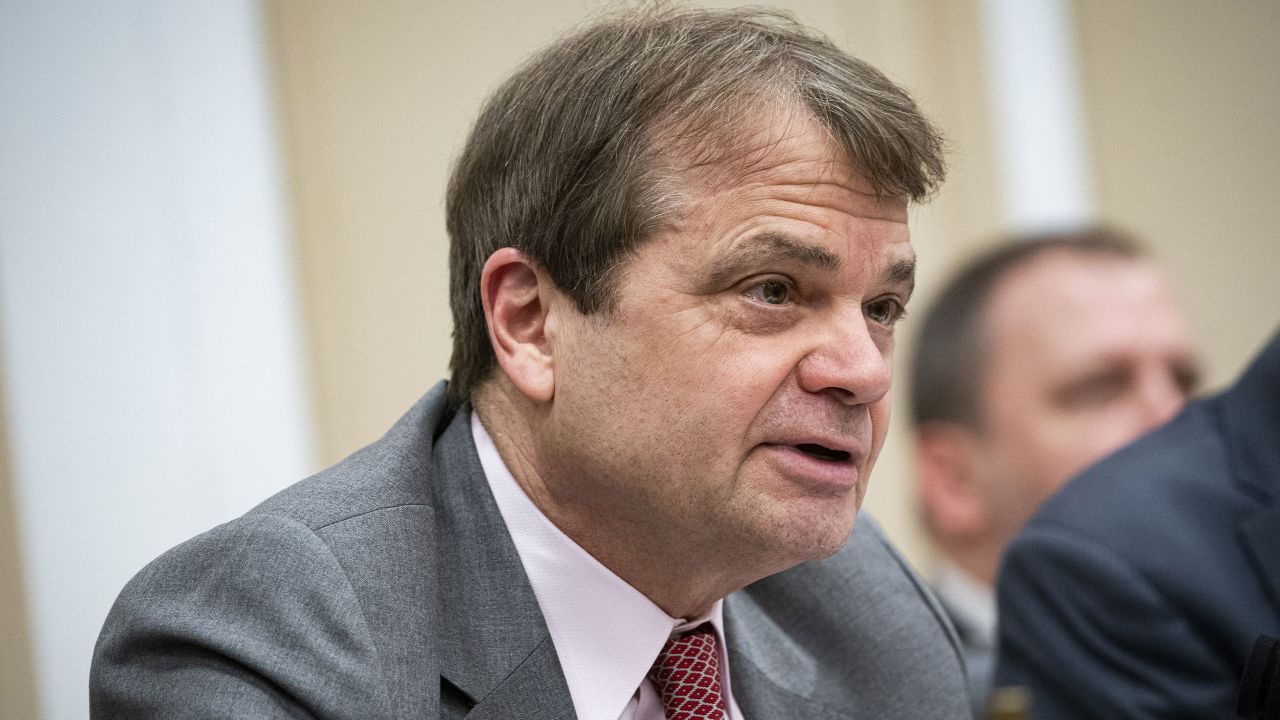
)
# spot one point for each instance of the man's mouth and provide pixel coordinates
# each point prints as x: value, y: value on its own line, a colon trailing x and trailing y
x: 822, y: 452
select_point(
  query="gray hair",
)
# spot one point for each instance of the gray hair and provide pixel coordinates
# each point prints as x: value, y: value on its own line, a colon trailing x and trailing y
x: 951, y: 352
x: 566, y: 160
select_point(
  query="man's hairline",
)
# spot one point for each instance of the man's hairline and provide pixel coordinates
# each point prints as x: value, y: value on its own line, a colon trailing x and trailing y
x: 986, y: 340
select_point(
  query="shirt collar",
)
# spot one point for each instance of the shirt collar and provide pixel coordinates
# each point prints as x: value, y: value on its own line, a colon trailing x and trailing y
x: 606, y: 633
x: 969, y: 601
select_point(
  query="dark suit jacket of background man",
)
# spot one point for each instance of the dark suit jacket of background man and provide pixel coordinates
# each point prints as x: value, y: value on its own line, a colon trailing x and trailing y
x: 1139, y: 590
x: 388, y: 587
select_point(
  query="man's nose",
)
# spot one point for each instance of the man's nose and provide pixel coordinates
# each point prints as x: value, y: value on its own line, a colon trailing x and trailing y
x: 849, y: 363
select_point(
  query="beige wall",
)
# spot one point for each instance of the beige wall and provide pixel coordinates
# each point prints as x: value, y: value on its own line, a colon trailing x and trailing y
x: 378, y: 97
x: 1183, y: 101
x: 17, y: 683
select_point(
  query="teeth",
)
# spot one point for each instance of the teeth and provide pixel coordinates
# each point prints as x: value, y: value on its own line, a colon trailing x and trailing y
x: 823, y: 453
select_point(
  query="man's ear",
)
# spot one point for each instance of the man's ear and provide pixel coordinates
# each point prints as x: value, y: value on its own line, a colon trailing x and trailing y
x: 516, y: 296
x: 952, y: 493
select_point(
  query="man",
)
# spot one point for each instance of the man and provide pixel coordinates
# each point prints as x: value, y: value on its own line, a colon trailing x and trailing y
x: 679, y: 249
x: 1139, y: 590
x: 1037, y: 359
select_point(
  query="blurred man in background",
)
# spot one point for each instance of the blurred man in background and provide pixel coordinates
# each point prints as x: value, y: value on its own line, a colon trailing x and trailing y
x: 1036, y: 360
x: 1138, y: 592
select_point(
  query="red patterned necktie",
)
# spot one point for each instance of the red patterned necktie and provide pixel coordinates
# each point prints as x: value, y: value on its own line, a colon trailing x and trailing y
x: 687, y: 676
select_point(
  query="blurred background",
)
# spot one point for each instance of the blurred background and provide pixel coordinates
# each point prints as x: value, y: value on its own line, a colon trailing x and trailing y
x: 223, y: 258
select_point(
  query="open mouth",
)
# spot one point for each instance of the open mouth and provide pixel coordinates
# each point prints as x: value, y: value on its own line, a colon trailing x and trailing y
x: 823, y: 453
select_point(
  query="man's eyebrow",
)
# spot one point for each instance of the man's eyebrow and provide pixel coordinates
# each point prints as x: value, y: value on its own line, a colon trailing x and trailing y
x: 769, y: 247
x: 902, y: 271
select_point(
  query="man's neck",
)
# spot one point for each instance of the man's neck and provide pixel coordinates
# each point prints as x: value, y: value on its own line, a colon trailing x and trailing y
x: 685, y: 586
x: 980, y: 561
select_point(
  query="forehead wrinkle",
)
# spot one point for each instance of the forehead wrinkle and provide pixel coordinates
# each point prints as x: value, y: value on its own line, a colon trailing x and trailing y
x: 823, y: 193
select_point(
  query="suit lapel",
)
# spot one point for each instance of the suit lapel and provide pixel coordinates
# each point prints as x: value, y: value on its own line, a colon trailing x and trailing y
x: 530, y: 691
x: 770, y: 675
x: 493, y: 645
x: 759, y: 696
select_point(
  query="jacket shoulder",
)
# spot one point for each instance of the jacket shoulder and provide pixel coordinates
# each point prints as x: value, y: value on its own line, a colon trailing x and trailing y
x: 858, y: 630
x: 1174, y: 470
x: 394, y: 471
x: 305, y: 602
x: 218, y: 624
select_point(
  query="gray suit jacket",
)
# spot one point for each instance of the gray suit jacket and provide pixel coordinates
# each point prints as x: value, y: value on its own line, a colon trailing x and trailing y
x: 388, y: 587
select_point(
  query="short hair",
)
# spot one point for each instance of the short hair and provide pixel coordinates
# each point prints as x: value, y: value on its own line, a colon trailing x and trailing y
x: 563, y: 163
x: 951, y: 351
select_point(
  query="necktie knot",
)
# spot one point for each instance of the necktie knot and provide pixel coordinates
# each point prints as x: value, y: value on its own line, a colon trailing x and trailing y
x: 687, y: 676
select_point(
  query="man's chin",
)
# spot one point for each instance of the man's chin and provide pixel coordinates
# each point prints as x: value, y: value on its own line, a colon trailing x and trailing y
x: 831, y: 545
x: 807, y: 538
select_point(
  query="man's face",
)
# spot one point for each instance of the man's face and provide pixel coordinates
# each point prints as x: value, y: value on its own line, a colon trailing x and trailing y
x: 1087, y: 352
x: 735, y: 400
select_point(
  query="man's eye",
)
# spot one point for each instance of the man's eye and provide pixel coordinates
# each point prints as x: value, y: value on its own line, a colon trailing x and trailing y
x: 1187, y: 378
x: 1095, y: 390
x: 886, y: 311
x: 770, y: 292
